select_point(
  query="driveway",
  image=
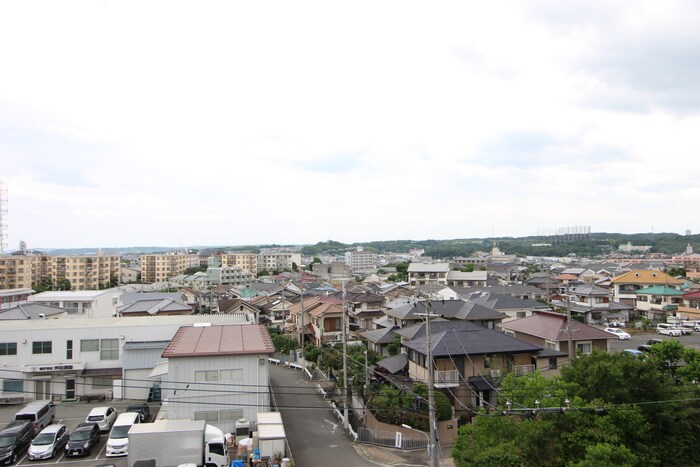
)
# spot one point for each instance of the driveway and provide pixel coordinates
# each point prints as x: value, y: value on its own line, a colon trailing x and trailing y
x: 314, y: 433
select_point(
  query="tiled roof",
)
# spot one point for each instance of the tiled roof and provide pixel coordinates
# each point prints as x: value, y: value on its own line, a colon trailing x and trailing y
x: 552, y: 326
x: 380, y: 336
x: 643, y: 276
x: 470, y: 342
x: 659, y: 290
x: 394, y: 364
x: 191, y: 341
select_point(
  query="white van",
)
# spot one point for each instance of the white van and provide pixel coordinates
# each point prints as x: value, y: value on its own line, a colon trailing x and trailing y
x: 668, y: 329
x: 118, y: 441
x: 40, y: 413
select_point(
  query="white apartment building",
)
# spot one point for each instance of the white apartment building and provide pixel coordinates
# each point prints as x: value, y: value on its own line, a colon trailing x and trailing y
x: 228, y: 275
x: 66, y: 359
x: 361, y: 262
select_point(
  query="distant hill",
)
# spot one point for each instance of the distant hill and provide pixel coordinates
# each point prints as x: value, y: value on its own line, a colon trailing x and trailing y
x: 592, y: 245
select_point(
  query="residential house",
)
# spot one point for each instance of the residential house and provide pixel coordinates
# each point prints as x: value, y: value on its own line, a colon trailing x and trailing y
x: 211, y: 370
x: 658, y: 301
x: 625, y: 286
x: 378, y: 340
x: 424, y: 273
x: 593, y: 305
x: 468, y: 360
x: 236, y: 305
x: 550, y: 330
x: 466, y: 279
x: 10, y: 298
x: 362, y: 308
x: 513, y: 307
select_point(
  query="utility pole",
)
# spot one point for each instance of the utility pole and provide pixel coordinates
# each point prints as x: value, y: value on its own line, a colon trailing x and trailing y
x: 301, y: 332
x: 572, y: 351
x: 431, y: 390
x: 345, y: 367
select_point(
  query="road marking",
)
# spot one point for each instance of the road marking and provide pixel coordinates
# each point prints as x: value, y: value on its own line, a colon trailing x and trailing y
x: 334, y: 425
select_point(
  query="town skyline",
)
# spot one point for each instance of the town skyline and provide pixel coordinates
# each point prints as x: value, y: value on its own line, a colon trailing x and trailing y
x: 168, y: 122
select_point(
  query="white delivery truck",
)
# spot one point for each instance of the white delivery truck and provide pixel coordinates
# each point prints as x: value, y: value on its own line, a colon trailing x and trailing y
x: 169, y: 443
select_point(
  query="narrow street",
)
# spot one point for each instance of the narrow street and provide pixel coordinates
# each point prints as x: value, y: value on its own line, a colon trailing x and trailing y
x: 315, y: 434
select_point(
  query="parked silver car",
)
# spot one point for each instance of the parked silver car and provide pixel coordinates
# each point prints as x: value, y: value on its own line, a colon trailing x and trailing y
x: 50, y: 441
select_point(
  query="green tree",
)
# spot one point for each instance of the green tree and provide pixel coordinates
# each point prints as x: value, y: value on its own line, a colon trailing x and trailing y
x: 63, y: 284
x: 607, y: 455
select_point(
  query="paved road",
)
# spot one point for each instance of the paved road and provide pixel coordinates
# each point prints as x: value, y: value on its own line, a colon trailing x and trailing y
x: 691, y: 340
x: 315, y: 434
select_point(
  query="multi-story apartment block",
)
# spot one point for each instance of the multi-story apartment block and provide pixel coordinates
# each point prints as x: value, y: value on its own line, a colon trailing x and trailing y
x: 362, y: 262
x: 83, y: 272
x: 245, y: 261
x: 161, y: 267
x: 254, y: 263
x: 235, y: 276
x: 278, y: 261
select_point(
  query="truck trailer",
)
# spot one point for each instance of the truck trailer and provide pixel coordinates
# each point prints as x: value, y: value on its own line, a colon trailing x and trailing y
x: 169, y: 443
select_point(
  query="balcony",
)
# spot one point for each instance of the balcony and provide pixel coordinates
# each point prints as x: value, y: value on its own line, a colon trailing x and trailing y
x: 520, y: 370
x: 446, y: 379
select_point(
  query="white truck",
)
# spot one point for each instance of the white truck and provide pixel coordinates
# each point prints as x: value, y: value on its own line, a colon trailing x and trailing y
x: 170, y: 443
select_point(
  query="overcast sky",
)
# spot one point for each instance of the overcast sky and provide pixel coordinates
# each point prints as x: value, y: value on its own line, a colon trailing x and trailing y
x: 226, y: 123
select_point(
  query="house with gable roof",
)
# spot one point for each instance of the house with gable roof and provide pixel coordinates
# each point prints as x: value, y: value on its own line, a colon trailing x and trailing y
x: 658, y: 302
x: 468, y: 361
x: 593, y: 305
x: 550, y: 330
x: 625, y: 286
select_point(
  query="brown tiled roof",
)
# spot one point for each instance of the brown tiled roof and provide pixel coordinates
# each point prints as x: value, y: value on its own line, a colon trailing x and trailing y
x: 552, y: 326
x: 645, y: 276
x: 325, y: 308
x: 241, y: 339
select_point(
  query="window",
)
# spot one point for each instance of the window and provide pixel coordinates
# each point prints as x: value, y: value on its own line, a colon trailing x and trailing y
x: 520, y: 314
x: 550, y: 345
x: 8, y: 348
x: 211, y: 416
x: 39, y: 347
x: 109, y: 349
x: 89, y: 345
x: 508, y: 332
x: 487, y: 361
x: 101, y: 383
x: 235, y: 376
x: 12, y: 385
x: 552, y: 363
x: 206, y: 375
x: 584, y: 348
x: 69, y: 350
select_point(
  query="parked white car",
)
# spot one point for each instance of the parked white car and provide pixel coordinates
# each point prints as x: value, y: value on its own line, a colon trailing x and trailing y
x: 668, y: 329
x: 103, y: 416
x: 619, y: 333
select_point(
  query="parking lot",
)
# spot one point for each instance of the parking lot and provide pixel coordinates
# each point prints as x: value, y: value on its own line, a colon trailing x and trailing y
x: 691, y: 340
x: 71, y: 414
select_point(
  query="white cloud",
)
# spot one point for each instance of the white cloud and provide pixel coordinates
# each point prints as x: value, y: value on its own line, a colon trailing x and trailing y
x: 177, y: 123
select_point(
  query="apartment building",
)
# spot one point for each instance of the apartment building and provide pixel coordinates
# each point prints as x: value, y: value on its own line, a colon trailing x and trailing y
x: 361, y: 261
x: 161, y: 267
x: 90, y: 272
x: 246, y: 261
x: 278, y: 261
x: 254, y: 263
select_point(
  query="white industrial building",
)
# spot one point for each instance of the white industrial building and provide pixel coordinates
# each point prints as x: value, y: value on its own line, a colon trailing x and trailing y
x: 217, y: 373
x: 68, y: 358
x: 81, y: 303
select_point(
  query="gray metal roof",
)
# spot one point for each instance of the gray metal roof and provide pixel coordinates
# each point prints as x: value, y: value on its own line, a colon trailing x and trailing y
x: 394, y: 364
x: 31, y: 311
x: 470, y: 342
